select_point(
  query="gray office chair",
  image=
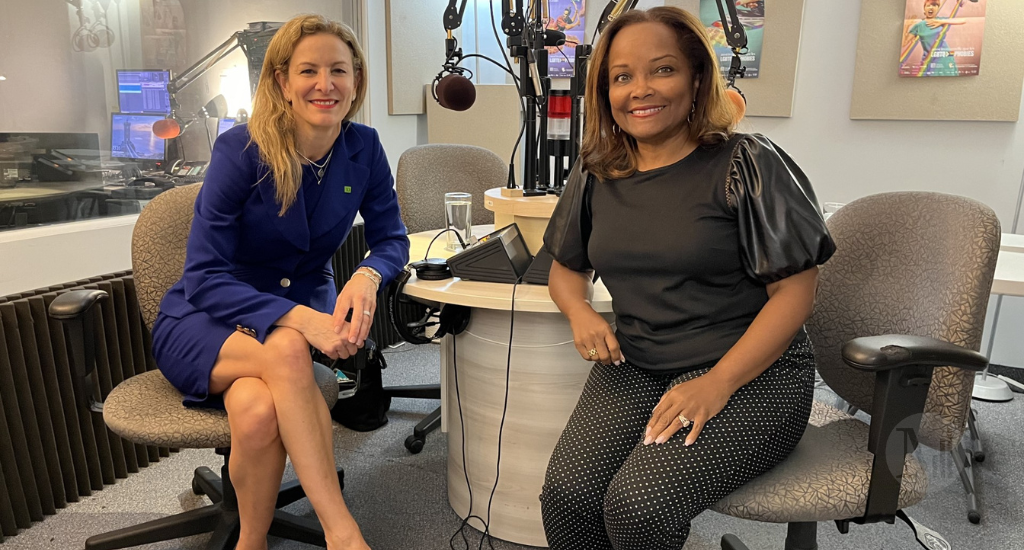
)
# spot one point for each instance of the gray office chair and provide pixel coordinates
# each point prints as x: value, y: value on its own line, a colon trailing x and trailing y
x: 425, y: 174
x: 898, y: 320
x: 147, y: 410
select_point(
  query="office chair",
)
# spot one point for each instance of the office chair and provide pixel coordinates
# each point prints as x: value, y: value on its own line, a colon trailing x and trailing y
x: 147, y: 410
x: 425, y: 174
x: 898, y: 320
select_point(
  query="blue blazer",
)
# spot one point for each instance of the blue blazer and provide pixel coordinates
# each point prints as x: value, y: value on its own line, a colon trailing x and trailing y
x: 247, y: 266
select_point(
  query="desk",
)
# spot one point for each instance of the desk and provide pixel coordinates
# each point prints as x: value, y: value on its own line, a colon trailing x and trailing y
x: 1011, y: 243
x: 546, y: 377
x: 32, y: 191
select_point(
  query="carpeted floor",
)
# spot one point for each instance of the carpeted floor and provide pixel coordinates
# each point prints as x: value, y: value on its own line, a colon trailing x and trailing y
x: 400, y: 500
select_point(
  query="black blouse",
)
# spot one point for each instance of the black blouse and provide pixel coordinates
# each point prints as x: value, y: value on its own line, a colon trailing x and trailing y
x: 686, y: 250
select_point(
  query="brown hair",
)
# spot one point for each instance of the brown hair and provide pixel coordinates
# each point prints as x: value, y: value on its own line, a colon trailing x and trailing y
x: 613, y: 155
x: 272, y: 125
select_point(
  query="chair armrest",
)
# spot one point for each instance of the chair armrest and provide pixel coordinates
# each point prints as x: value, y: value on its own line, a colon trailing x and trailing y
x: 903, y: 366
x: 890, y: 351
x: 71, y: 309
x: 73, y: 304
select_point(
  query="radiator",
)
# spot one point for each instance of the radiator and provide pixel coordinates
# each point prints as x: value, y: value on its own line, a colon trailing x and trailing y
x: 51, y: 453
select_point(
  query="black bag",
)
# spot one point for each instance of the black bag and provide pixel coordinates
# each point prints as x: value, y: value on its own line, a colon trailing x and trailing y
x: 365, y: 409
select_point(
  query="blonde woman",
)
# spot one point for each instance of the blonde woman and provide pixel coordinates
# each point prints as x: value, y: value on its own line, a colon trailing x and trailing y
x: 279, y: 197
x: 708, y: 242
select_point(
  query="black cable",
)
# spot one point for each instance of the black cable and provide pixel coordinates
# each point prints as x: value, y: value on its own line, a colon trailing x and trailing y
x: 442, y: 232
x: 519, y: 91
x: 465, y: 467
x: 504, y: 411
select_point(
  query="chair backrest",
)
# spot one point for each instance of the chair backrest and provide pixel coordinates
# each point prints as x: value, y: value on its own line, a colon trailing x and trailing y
x: 427, y: 172
x: 907, y: 263
x: 158, y: 246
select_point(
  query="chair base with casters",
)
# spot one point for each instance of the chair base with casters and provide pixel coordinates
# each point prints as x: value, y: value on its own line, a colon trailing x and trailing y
x: 414, y: 443
x: 146, y: 409
x: 220, y: 518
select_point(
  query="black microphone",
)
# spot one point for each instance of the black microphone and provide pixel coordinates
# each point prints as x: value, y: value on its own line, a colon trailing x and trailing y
x: 454, y: 91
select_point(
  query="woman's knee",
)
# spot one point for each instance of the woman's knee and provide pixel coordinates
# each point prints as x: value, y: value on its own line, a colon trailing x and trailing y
x: 252, y: 413
x: 565, y: 491
x: 641, y: 509
x: 288, y: 355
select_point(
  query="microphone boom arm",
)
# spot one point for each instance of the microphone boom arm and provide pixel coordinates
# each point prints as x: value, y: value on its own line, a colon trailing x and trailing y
x: 736, y: 37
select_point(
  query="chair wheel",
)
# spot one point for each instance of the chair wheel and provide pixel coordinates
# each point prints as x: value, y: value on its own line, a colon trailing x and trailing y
x: 979, y: 456
x: 414, y: 444
x: 196, y: 488
x: 974, y: 517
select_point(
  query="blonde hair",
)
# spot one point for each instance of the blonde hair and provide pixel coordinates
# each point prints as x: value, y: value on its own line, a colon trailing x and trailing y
x: 612, y: 154
x: 272, y: 124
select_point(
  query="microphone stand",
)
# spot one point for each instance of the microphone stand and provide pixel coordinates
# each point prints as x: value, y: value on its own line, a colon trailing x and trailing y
x: 526, y: 45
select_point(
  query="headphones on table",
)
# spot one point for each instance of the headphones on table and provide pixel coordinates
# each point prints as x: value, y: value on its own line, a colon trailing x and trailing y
x: 411, y: 317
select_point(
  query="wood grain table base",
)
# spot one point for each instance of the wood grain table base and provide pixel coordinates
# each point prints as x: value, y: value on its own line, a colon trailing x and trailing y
x: 546, y: 378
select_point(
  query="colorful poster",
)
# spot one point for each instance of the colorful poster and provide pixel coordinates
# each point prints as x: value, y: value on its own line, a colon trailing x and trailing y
x: 942, y: 38
x: 568, y: 16
x: 751, y: 15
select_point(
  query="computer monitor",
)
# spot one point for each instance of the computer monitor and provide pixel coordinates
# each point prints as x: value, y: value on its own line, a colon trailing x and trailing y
x: 224, y: 125
x: 143, y: 91
x: 132, y: 138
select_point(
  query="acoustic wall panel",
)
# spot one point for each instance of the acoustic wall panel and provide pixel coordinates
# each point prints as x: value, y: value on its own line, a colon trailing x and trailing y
x: 880, y: 93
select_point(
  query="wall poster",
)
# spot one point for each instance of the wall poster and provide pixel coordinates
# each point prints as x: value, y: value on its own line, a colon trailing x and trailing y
x: 942, y: 38
x: 568, y: 16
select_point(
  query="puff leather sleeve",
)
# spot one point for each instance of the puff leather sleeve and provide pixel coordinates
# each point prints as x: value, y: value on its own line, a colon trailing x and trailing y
x: 781, y: 230
x: 568, y: 231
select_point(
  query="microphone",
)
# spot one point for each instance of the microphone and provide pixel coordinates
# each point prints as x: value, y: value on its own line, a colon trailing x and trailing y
x: 454, y: 91
x: 167, y: 128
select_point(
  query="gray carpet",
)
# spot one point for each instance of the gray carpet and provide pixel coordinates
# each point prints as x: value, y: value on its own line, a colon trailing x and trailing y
x: 400, y: 499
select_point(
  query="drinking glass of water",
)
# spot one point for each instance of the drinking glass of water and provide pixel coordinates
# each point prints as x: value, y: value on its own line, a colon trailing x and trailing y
x: 458, y: 216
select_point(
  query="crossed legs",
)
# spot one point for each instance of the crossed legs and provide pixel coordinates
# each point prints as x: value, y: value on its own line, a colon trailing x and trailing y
x: 275, y: 408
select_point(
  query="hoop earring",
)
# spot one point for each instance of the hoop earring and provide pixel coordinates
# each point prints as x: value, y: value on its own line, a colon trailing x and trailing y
x: 693, y: 109
x: 615, y: 129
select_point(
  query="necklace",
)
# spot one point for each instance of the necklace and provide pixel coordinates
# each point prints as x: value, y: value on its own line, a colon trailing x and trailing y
x: 320, y: 168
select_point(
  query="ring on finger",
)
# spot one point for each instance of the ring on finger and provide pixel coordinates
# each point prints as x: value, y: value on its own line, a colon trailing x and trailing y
x: 685, y: 421
x: 592, y: 352
x: 367, y: 313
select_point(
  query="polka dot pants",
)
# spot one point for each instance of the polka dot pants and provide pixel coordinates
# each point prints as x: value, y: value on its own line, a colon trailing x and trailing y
x: 604, y: 489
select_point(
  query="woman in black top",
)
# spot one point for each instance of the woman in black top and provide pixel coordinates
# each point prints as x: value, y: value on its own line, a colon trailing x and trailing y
x: 709, y: 242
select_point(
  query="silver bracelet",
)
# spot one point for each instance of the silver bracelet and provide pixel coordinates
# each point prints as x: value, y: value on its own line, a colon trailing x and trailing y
x: 375, y: 277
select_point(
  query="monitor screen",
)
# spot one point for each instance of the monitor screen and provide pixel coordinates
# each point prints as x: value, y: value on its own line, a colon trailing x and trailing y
x: 224, y: 125
x: 143, y: 91
x: 131, y: 137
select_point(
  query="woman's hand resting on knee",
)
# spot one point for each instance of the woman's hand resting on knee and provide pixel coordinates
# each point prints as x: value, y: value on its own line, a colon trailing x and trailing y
x: 318, y: 329
x: 697, y: 400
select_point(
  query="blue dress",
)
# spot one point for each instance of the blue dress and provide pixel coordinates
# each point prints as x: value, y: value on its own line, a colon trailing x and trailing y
x: 246, y: 266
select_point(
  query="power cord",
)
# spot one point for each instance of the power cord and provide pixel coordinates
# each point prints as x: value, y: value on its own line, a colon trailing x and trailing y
x: 442, y: 232
x: 501, y: 427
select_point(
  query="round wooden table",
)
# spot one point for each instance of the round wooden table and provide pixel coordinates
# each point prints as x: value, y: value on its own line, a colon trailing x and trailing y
x: 545, y: 377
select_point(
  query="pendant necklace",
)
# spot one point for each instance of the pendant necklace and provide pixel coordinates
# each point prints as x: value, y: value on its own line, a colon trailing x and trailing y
x: 319, y: 168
